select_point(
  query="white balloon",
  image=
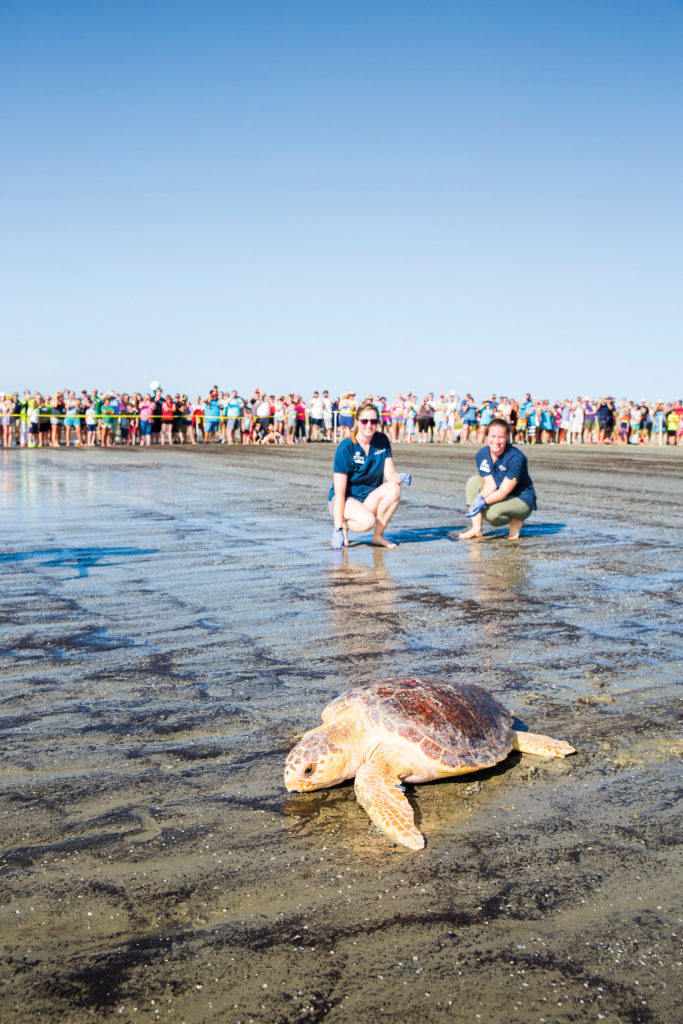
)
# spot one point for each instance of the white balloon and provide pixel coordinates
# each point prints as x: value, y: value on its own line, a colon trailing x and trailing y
x: 154, y: 385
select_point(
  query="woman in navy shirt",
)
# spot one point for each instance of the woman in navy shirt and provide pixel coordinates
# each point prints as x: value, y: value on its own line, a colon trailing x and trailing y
x: 502, y: 493
x: 366, y: 488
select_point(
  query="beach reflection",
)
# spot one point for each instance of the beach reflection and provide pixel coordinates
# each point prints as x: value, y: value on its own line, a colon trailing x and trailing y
x: 37, y: 485
x: 497, y: 582
x: 40, y: 484
x: 495, y: 574
x: 362, y: 602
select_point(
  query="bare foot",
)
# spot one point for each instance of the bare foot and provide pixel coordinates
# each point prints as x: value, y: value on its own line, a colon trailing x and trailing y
x: 471, y: 535
x: 382, y: 542
x: 514, y: 529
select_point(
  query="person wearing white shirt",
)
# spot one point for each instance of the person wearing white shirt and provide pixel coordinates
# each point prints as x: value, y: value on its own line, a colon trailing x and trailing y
x: 327, y: 417
x: 315, y: 417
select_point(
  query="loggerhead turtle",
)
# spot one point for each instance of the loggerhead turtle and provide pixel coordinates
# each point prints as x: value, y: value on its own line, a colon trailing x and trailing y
x: 407, y: 730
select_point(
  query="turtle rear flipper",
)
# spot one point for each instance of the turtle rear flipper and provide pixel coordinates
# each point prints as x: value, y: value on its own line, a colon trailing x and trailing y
x: 542, y: 746
x: 380, y: 792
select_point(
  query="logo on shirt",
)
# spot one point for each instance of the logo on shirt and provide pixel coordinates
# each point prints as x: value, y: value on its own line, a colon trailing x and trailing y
x: 484, y: 464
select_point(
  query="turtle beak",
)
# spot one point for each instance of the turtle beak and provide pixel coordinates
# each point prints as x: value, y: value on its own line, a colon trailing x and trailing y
x: 304, y: 776
x: 296, y: 772
x: 291, y: 780
x: 295, y: 785
x: 301, y: 776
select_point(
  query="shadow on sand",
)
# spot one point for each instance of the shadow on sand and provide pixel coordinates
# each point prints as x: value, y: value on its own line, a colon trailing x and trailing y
x: 535, y: 530
x: 412, y: 535
x: 424, y: 534
x: 81, y: 559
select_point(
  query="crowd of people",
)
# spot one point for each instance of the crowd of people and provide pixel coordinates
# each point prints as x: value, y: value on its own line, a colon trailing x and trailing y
x: 93, y: 419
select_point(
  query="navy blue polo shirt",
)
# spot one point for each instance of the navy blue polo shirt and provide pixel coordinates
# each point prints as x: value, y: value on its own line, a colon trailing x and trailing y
x: 512, y: 465
x: 364, y: 472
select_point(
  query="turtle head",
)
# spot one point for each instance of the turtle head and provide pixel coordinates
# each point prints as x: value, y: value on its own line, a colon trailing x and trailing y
x: 315, y: 762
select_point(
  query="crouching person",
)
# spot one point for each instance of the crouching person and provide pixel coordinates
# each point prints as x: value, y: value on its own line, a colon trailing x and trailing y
x: 502, y: 493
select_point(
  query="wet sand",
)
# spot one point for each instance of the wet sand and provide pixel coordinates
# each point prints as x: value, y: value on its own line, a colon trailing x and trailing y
x: 174, y: 619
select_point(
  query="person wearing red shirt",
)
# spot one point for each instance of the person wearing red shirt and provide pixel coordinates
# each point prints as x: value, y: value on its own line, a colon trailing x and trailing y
x: 167, y: 413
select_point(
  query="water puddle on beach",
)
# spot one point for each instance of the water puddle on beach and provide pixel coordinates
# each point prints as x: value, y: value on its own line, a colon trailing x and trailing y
x: 173, y: 620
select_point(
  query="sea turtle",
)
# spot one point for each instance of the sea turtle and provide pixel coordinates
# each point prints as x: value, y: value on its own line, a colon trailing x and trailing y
x: 407, y: 730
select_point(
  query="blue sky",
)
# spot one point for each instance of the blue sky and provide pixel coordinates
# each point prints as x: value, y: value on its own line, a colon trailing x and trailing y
x: 376, y: 196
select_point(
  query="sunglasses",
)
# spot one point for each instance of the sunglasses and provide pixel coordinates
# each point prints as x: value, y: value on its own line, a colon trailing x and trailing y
x: 374, y: 423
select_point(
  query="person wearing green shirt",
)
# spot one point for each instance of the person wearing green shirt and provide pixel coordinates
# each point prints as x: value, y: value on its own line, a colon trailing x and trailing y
x: 107, y: 418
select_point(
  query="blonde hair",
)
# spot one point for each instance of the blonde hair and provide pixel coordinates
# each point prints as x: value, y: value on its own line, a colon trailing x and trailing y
x: 365, y: 405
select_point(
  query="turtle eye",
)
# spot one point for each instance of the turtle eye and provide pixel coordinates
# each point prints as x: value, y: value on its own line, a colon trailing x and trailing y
x: 308, y: 770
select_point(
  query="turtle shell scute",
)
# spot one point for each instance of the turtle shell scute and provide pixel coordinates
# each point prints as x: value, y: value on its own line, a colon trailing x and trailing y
x: 455, y: 724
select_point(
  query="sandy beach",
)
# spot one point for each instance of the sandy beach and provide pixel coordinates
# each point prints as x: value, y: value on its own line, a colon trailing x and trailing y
x: 174, y: 619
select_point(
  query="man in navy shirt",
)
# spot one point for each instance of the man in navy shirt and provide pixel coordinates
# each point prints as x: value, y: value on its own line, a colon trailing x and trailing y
x: 502, y: 493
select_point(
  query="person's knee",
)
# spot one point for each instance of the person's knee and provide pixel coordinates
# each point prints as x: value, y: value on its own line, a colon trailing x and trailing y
x: 495, y: 517
x: 504, y: 512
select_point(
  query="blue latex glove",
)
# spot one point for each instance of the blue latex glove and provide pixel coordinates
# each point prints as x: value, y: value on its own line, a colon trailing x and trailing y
x: 337, y: 540
x: 478, y: 505
x: 405, y: 478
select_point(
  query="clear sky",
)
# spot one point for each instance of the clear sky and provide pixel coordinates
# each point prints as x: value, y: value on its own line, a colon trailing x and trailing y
x: 483, y: 195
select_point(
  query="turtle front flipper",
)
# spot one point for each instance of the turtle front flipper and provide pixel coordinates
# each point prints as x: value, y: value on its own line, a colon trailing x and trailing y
x: 379, y: 790
x: 542, y: 746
